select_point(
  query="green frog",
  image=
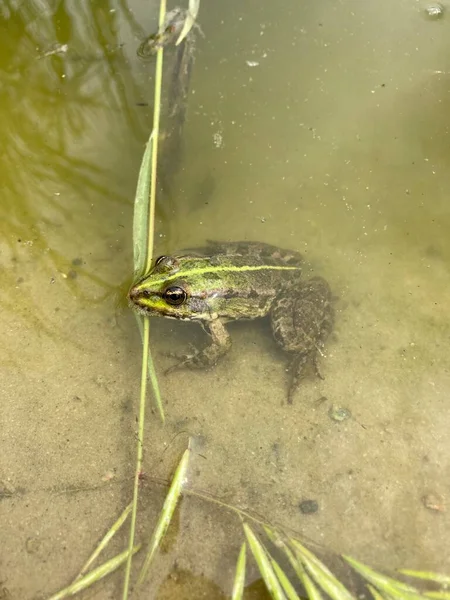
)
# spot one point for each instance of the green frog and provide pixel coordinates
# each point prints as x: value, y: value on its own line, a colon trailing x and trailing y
x: 240, y: 280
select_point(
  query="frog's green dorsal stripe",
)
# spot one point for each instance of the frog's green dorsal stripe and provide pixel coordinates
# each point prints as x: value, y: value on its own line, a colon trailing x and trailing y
x: 213, y: 269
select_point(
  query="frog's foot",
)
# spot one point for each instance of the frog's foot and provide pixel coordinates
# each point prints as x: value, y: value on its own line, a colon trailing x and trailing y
x: 315, y: 365
x: 183, y: 360
x: 197, y: 359
x: 296, y: 369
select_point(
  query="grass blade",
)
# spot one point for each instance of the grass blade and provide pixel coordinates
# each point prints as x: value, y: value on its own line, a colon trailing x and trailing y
x: 105, y: 541
x: 139, y: 454
x: 152, y: 372
x: 323, y: 576
x: 393, y: 587
x: 155, y: 140
x: 264, y: 565
x: 141, y: 210
x: 239, y: 578
x: 166, y: 514
x: 143, y: 259
x: 438, y: 578
x: 376, y: 594
x: 310, y: 588
x: 189, y: 22
x: 93, y: 576
x: 283, y: 579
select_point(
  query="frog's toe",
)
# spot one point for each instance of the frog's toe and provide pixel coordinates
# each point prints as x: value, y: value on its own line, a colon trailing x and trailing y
x: 296, y: 369
x: 184, y: 360
x: 179, y: 365
x: 316, y: 367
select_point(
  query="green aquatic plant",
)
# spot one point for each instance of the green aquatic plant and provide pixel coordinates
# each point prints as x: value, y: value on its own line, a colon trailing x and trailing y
x: 189, y: 22
x: 143, y: 232
x: 290, y: 570
x: 166, y: 515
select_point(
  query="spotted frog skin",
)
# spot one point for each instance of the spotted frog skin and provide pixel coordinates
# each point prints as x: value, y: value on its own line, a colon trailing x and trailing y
x: 240, y: 280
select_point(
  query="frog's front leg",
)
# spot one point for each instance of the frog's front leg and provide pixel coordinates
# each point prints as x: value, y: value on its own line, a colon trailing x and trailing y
x: 208, y: 357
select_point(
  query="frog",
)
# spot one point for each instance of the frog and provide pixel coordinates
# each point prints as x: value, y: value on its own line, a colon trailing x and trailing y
x: 171, y: 29
x: 231, y: 281
x: 169, y: 34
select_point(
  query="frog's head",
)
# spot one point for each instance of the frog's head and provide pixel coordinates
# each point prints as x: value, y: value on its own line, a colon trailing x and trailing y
x: 169, y: 290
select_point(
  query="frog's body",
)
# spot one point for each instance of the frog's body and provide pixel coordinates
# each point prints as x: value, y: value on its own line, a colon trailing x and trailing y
x: 240, y: 280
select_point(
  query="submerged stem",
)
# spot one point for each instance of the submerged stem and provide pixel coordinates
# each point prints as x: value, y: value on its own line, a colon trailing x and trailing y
x: 140, y: 453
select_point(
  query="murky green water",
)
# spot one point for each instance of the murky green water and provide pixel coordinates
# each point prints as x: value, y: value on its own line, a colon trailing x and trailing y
x: 321, y: 127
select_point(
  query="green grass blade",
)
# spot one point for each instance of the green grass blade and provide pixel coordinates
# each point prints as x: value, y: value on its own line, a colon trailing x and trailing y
x: 319, y: 572
x: 105, y: 541
x: 166, y: 514
x: 310, y: 588
x: 152, y: 372
x: 143, y: 259
x: 155, y: 141
x: 264, y: 565
x: 438, y: 578
x: 189, y: 22
x: 239, y: 578
x: 439, y: 595
x: 376, y: 594
x: 155, y: 386
x: 141, y: 210
x: 393, y: 587
x: 93, y: 576
x: 139, y: 455
x: 283, y: 579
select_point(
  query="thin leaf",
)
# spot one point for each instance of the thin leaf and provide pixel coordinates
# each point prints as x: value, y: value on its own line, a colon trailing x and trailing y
x: 439, y: 595
x: 189, y: 21
x: 152, y: 373
x: 323, y: 576
x: 166, y: 514
x: 376, y: 594
x: 141, y: 208
x: 93, y: 576
x: 393, y: 587
x: 105, y: 541
x: 439, y: 578
x: 143, y: 262
x: 139, y: 455
x: 155, y: 141
x: 310, y: 588
x: 239, y: 578
x: 263, y: 562
x: 283, y: 579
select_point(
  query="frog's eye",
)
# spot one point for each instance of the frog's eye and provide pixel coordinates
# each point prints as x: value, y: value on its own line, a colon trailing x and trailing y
x: 159, y: 259
x: 175, y: 296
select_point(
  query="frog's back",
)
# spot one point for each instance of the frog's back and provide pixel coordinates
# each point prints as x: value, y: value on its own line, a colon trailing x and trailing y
x: 242, y: 278
x: 255, y: 251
